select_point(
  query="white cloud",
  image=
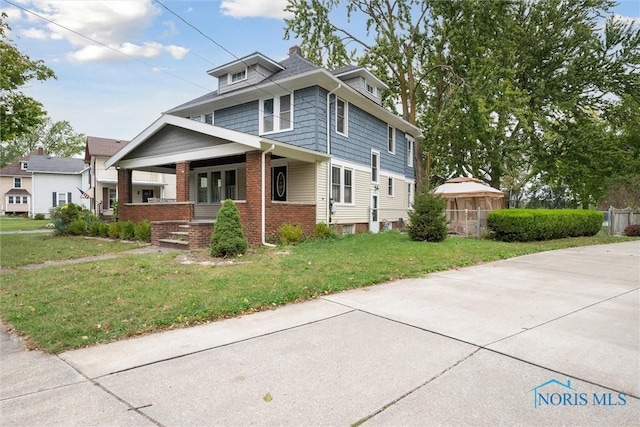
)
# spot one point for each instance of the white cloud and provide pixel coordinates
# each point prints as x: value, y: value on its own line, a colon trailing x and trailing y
x: 177, y: 52
x: 117, y: 24
x: 255, y: 9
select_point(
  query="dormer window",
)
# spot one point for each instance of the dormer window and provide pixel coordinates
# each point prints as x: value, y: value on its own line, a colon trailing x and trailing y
x: 369, y: 88
x: 24, y: 166
x: 237, y: 77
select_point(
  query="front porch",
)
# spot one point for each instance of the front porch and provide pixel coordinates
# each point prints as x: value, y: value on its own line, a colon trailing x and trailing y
x: 219, y: 165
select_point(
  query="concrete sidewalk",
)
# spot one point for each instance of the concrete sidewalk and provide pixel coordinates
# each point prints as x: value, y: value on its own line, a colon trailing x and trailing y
x: 544, y: 339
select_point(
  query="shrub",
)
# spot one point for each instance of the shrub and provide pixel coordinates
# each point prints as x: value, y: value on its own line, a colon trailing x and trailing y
x: 524, y: 225
x: 104, y: 229
x: 128, y: 231
x: 323, y: 231
x: 227, y: 238
x: 115, y: 230
x: 290, y: 234
x: 39, y: 216
x: 60, y: 227
x: 78, y: 227
x: 143, y: 231
x: 427, y: 221
x: 632, y: 230
x: 94, y: 228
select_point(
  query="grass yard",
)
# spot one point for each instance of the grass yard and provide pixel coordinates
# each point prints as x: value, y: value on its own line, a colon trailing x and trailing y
x: 23, y: 249
x: 61, y: 308
x: 9, y: 223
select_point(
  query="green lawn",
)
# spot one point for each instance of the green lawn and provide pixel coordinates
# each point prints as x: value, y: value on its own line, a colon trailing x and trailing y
x: 61, y: 308
x: 9, y: 223
x: 22, y: 249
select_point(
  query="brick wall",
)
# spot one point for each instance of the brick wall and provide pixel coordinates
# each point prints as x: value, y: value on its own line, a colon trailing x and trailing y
x: 136, y: 212
x: 161, y: 229
x: 296, y: 214
x: 251, y: 213
x: 125, y: 186
x: 200, y: 234
x: 182, y: 182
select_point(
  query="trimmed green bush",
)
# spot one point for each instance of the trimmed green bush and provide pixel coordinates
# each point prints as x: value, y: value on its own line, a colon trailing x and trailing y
x: 227, y: 238
x: 128, y: 231
x: 104, y: 229
x: 94, y: 228
x: 525, y: 225
x: 143, y: 231
x: 323, y: 231
x: 115, y: 230
x: 39, y: 216
x: 632, y: 230
x: 427, y: 220
x: 78, y: 227
x: 290, y: 234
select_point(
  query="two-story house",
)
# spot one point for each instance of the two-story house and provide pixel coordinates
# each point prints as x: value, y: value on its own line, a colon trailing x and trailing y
x: 56, y: 181
x: 288, y: 141
x: 15, y: 188
x: 146, y: 185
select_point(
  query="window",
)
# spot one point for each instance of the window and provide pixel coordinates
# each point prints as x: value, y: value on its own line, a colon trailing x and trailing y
x: 196, y: 118
x: 237, y: 77
x: 208, y: 118
x: 113, y: 197
x: 25, y: 200
x: 216, y: 186
x: 62, y: 199
x: 11, y: 200
x: 24, y: 166
x: 230, y: 184
x: 17, y: 182
x: 276, y: 114
x: 203, y: 188
x: 409, y: 194
x: 375, y: 166
x: 342, y: 117
x: 390, y: 187
x: 391, y: 139
x: 410, y: 147
x: 341, y: 184
x: 369, y: 88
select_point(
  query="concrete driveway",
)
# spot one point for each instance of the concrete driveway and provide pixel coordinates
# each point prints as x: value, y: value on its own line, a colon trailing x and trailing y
x: 544, y: 339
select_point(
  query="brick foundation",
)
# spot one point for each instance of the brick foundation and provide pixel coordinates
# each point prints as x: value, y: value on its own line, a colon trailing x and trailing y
x: 200, y: 234
x: 137, y: 212
x: 296, y: 214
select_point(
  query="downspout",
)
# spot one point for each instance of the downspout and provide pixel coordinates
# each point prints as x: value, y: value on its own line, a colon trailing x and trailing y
x: 264, y: 242
x: 328, y: 211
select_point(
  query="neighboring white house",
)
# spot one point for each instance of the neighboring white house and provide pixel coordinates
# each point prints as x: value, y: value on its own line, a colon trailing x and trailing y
x: 56, y: 181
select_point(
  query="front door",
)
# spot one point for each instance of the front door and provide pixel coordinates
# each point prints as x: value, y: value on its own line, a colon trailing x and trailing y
x: 374, y: 222
x: 146, y: 195
x: 279, y: 187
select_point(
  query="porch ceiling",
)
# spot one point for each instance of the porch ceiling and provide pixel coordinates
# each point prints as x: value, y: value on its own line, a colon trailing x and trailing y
x: 171, y: 139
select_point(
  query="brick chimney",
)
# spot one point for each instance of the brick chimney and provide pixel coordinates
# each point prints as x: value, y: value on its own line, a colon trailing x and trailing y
x: 295, y: 49
x: 40, y: 150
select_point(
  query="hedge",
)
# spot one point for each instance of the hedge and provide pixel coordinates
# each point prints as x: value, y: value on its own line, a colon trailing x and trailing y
x: 524, y: 225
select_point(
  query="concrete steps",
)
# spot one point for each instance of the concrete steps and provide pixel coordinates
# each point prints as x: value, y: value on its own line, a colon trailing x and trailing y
x: 176, y: 239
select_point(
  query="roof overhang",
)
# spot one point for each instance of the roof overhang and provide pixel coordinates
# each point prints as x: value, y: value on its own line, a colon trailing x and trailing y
x: 318, y: 77
x: 238, y: 143
x: 361, y: 72
x: 247, y: 61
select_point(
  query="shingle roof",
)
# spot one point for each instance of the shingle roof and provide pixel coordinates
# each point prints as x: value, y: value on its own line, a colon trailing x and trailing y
x: 14, y: 168
x: 102, y: 147
x: 346, y: 69
x: 62, y: 165
x: 18, y: 192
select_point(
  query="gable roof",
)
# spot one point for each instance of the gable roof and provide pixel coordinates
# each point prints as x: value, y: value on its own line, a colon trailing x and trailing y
x: 15, y: 169
x: 57, y: 165
x: 102, y: 147
x: 354, y: 70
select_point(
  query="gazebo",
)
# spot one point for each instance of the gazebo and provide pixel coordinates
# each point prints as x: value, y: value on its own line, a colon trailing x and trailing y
x: 467, y: 199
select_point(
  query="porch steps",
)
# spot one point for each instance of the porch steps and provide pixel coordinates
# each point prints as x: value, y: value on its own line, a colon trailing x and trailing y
x: 176, y: 239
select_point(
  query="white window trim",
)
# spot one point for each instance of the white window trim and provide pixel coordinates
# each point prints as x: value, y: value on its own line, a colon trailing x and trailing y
x: 410, y: 194
x: 24, y: 166
x: 14, y: 181
x: 366, y: 89
x: 393, y: 139
x: 342, y: 168
x: 276, y: 114
x: 213, y: 118
x: 230, y: 80
x: 346, y: 117
x: 391, y: 180
x: 223, y: 184
x: 377, y: 153
x: 411, y: 146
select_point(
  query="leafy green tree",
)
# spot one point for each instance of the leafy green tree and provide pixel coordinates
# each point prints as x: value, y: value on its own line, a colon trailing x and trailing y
x: 57, y: 139
x: 228, y: 238
x: 18, y: 112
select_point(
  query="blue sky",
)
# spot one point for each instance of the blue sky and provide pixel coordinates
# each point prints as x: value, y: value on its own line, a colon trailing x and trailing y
x: 107, y: 94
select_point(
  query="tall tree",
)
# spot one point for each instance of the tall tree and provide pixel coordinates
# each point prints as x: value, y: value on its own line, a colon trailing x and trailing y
x: 18, y: 113
x: 391, y: 43
x: 56, y: 138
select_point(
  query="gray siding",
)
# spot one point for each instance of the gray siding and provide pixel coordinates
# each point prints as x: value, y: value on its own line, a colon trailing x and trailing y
x: 171, y: 140
x: 243, y: 118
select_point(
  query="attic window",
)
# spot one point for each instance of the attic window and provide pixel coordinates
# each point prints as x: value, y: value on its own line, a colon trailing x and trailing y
x: 238, y: 77
x: 24, y: 166
x: 369, y: 88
